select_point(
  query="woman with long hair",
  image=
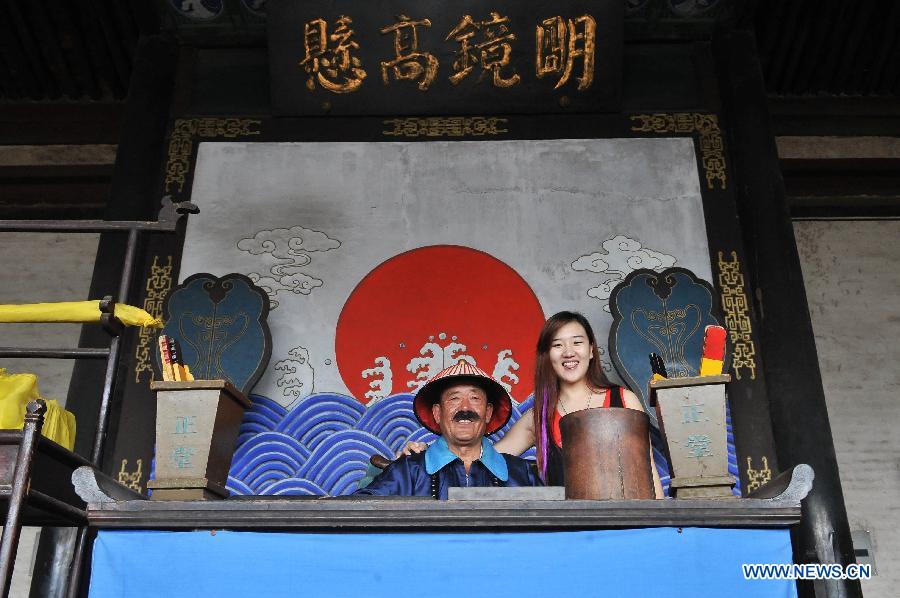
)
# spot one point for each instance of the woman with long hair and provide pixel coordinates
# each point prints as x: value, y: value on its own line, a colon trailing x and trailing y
x: 568, y: 377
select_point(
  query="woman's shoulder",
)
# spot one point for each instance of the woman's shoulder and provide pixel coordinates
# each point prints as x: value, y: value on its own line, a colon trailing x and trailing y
x: 631, y: 400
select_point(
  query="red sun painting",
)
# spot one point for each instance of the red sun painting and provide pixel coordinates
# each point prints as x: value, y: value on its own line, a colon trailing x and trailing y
x: 426, y: 309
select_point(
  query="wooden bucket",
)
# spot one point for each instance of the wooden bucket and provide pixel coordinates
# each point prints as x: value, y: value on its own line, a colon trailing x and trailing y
x: 607, y: 454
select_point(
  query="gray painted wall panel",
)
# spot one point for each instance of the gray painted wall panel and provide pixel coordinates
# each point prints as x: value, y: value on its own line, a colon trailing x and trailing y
x: 852, y: 280
x: 538, y: 206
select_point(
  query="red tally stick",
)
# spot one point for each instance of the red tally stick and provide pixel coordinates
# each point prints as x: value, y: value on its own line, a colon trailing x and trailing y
x: 714, y: 343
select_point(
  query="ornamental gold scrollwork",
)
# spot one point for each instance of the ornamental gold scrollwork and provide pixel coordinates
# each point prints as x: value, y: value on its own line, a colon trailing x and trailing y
x: 438, y: 126
x: 132, y: 479
x: 159, y: 283
x: 706, y: 126
x: 758, y: 477
x: 737, y: 318
x: 181, y: 143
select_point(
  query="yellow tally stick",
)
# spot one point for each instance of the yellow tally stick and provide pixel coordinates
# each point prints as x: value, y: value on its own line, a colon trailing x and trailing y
x: 710, y: 367
x: 76, y: 311
x: 164, y: 360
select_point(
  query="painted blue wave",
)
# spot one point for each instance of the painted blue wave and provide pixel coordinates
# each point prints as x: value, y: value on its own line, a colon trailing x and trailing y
x: 659, y: 457
x: 392, y: 421
x: 237, y: 487
x: 339, y: 462
x: 319, y: 416
x: 732, y: 452
x: 267, y: 458
x: 262, y: 416
x: 296, y: 487
x: 323, y: 445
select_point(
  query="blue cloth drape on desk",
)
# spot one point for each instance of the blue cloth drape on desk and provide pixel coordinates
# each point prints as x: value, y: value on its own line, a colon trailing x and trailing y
x: 634, y: 562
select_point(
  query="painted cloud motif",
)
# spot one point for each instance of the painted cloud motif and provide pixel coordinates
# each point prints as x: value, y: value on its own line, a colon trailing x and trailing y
x: 620, y: 256
x: 288, y: 243
x: 291, y: 249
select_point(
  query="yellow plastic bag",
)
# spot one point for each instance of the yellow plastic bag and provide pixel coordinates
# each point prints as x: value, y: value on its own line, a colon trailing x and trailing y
x: 16, y: 390
x: 76, y: 311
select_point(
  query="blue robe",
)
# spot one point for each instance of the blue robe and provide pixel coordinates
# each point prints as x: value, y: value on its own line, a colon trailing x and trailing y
x: 412, y: 476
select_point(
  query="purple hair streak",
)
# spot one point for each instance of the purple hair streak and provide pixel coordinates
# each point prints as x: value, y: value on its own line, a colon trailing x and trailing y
x: 544, y: 439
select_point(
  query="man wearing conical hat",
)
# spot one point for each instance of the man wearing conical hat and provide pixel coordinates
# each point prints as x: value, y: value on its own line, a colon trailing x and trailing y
x: 462, y: 404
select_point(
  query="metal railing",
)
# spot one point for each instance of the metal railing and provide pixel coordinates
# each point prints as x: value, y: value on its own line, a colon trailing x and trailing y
x: 167, y: 222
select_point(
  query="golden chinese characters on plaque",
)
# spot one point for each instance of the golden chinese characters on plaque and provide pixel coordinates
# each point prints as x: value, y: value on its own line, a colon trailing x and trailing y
x: 564, y: 48
x: 492, y: 49
x: 330, y: 59
x: 560, y: 43
x: 409, y: 63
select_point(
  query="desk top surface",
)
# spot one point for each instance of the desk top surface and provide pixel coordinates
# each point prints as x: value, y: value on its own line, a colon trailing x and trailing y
x: 476, y: 509
x: 398, y: 513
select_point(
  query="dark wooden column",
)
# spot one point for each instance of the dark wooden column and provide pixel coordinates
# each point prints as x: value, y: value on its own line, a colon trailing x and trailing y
x: 134, y: 195
x: 797, y: 400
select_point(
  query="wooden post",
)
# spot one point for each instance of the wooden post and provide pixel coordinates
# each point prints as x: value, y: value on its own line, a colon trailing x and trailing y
x: 31, y: 433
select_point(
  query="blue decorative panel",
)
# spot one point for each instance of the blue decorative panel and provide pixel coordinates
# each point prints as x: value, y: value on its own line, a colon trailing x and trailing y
x: 220, y: 324
x: 659, y: 312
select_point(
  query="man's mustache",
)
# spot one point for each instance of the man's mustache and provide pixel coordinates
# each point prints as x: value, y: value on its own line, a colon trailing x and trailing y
x: 470, y: 415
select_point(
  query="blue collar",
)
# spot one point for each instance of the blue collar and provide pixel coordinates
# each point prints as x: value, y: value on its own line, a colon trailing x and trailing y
x: 439, y: 454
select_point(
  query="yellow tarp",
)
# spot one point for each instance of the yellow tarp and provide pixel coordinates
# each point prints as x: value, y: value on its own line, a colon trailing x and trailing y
x: 16, y: 390
x: 76, y: 311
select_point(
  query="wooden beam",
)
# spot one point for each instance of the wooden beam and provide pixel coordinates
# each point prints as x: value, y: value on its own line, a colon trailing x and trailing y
x: 37, y: 16
x: 835, y: 116
x: 73, y: 48
x: 33, y: 123
x: 26, y: 80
